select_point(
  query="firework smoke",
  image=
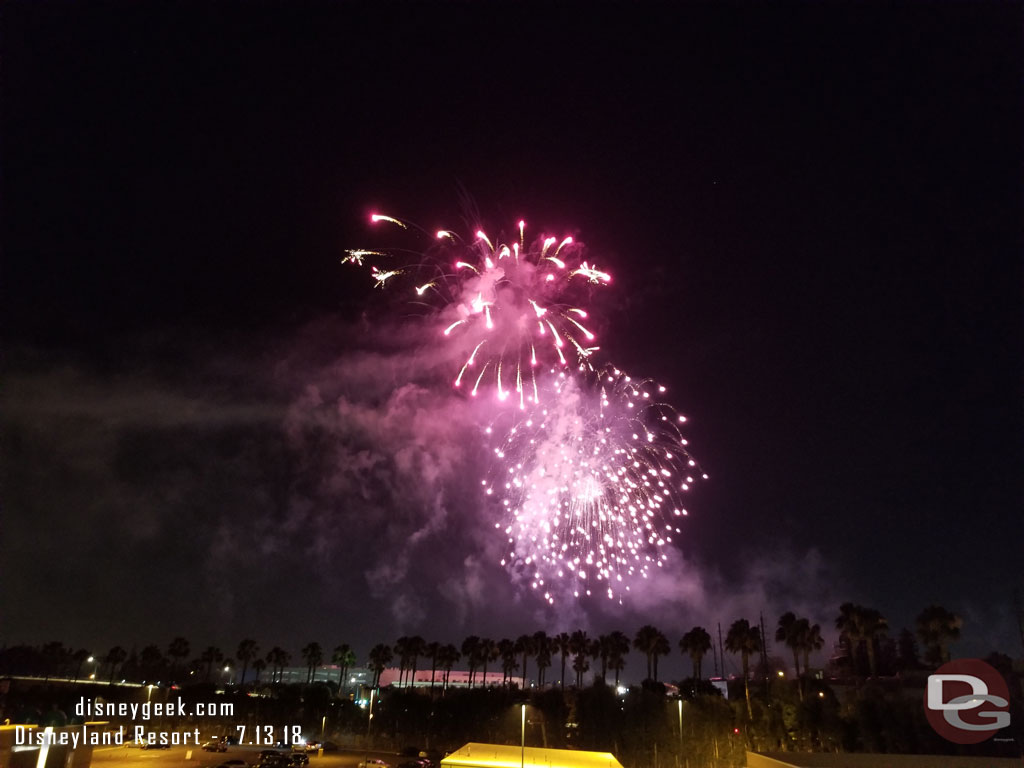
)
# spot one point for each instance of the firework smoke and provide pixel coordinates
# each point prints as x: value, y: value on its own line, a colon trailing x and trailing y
x: 589, y: 472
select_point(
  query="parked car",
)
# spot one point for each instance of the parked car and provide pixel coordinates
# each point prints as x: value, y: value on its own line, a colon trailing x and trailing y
x: 329, y: 746
x: 215, y: 746
x: 374, y: 762
x: 155, y: 745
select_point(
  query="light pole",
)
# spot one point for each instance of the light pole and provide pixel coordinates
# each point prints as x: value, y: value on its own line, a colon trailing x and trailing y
x: 522, y: 749
x: 95, y: 665
x: 680, y: 730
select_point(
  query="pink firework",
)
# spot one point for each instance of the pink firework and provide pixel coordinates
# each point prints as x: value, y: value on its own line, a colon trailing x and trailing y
x: 591, y: 484
x: 510, y: 308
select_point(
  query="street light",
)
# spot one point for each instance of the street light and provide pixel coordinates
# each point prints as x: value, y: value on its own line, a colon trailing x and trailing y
x: 95, y: 666
x: 680, y: 729
x: 522, y: 752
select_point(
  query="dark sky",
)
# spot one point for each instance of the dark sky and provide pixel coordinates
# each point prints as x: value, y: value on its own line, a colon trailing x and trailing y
x: 813, y: 215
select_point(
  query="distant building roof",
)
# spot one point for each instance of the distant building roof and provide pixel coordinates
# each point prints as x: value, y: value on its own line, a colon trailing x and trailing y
x: 476, y: 755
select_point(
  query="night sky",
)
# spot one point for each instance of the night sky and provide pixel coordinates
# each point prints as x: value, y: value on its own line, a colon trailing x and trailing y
x: 210, y: 427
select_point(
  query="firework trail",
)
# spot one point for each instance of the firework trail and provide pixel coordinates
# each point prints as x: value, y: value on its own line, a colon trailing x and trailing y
x: 511, y: 309
x: 588, y: 474
x: 591, y: 486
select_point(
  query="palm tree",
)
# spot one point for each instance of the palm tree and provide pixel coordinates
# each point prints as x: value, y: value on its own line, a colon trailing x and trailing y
x: 402, y: 651
x: 937, y: 627
x: 860, y: 625
x: 789, y: 632
x: 259, y: 665
x: 345, y: 658
x: 313, y: 655
x: 79, y: 657
x: 811, y: 641
x: 525, y: 646
x: 212, y: 655
x: 604, y: 653
x: 580, y: 647
x: 417, y: 646
x: 432, y: 651
x: 744, y: 640
x: 447, y: 656
x: 247, y: 651
x: 471, y: 652
x: 380, y: 657
x: 115, y: 656
x: 562, y: 643
x: 580, y: 664
x: 654, y: 644
x: 619, y: 647
x: 178, y: 649
x: 542, y: 645
x: 645, y: 640
x: 507, y: 651
x: 278, y: 658
x: 696, y: 643
x: 488, y: 652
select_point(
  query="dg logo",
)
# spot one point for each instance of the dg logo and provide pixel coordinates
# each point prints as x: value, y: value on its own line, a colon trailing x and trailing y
x: 967, y: 701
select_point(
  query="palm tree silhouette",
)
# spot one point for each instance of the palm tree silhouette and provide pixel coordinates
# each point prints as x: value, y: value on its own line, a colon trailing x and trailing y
x: 259, y: 665
x: 744, y: 640
x: 562, y: 643
x: 696, y: 643
x: 313, y: 655
x: 212, y: 655
x: 247, y: 651
x: 178, y: 649
x: 580, y: 647
x: 937, y: 627
x: 651, y: 642
x: 488, y: 652
x: 345, y: 658
x: 380, y: 657
x: 507, y: 652
x: 471, y: 652
x: 525, y: 646
x: 542, y: 645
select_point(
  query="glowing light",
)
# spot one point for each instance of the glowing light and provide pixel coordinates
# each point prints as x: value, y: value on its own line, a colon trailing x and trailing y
x: 375, y: 217
x: 593, y: 274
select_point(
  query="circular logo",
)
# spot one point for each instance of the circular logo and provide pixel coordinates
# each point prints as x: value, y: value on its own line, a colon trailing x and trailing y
x: 967, y: 701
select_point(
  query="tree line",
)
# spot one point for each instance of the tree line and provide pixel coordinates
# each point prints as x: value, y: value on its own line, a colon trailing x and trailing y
x: 862, y: 632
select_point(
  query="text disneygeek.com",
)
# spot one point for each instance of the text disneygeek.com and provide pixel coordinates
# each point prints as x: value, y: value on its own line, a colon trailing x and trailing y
x: 147, y: 710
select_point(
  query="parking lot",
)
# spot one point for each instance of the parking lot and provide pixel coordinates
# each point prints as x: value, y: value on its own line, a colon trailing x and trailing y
x: 180, y: 757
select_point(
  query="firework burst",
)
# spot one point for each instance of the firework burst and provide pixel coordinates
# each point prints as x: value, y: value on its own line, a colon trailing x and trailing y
x: 591, y: 485
x: 510, y: 309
